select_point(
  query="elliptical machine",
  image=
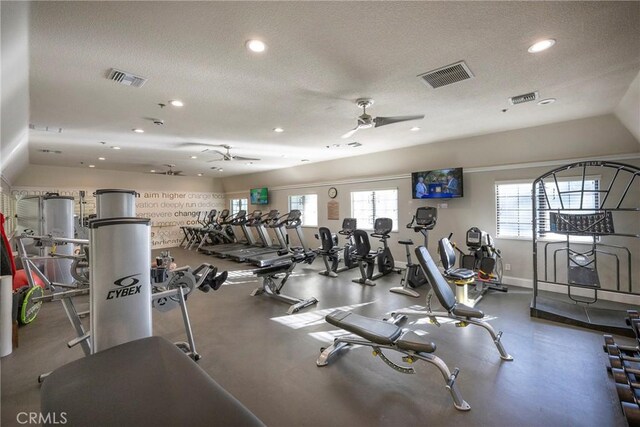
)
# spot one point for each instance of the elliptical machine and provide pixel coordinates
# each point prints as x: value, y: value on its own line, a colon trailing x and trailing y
x: 332, y: 254
x: 368, y: 259
x: 422, y: 222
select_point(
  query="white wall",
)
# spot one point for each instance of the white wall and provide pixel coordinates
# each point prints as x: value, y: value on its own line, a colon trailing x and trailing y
x: 628, y: 110
x: 14, y: 89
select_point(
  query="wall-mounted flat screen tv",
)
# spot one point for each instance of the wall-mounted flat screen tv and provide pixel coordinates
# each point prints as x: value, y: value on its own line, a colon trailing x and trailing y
x: 437, y: 184
x: 259, y: 196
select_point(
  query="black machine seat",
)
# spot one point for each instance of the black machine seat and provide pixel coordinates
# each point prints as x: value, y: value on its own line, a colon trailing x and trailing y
x: 466, y: 311
x: 143, y: 382
x: 448, y: 258
x: 328, y: 240
x: 406, y: 242
x: 274, y: 269
x: 414, y: 342
x: 374, y: 330
x: 441, y: 288
x: 363, y: 246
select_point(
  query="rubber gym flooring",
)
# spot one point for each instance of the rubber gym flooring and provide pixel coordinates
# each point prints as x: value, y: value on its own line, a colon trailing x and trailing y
x: 266, y: 359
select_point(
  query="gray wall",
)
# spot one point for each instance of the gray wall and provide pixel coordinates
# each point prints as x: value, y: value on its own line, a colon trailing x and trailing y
x: 14, y: 28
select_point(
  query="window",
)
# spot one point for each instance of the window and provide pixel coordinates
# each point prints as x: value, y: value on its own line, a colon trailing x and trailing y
x: 238, y: 204
x: 308, y: 205
x: 513, y: 210
x: 366, y: 206
x: 513, y: 206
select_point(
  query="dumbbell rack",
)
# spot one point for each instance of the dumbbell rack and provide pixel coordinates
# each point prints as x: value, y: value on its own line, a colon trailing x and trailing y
x: 624, y: 366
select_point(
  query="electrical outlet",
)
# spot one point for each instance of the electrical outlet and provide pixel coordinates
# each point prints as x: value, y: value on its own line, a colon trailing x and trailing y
x: 443, y: 205
x: 507, y: 267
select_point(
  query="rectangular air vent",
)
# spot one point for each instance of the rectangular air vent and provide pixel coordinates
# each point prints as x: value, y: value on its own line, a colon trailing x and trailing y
x: 126, y: 78
x: 354, y: 144
x: 447, y: 75
x: 521, y: 99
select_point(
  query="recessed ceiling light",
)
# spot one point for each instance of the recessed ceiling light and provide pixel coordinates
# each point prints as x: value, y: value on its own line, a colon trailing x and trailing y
x: 414, y: 129
x: 152, y: 171
x: 101, y: 158
x: 137, y: 130
x: 194, y: 157
x: 278, y: 130
x: 199, y: 174
x: 257, y: 46
x: 176, y: 103
x: 115, y: 147
x: 92, y: 166
x: 220, y: 169
x: 547, y: 101
x: 541, y: 45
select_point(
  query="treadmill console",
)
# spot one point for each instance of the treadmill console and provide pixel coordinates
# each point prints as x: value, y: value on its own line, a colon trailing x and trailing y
x: 426, y: 216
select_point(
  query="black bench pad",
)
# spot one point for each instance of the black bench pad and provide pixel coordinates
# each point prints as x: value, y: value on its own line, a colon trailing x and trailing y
x: 460, y: 274
x: 466, y: 311
x: 414, y: 342
x: 374, y: 330
x: 148, y: 382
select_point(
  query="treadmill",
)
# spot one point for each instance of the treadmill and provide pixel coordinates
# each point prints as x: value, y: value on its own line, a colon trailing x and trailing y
x: 236, y: 220
x: 279, y: 229
x: 250, y: 239
x: 293, y: 222
x: 267, y: 246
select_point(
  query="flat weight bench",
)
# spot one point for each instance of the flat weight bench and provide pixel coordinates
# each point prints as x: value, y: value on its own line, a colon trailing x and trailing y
x: 462, y: 314
x: 147, y: 382
x: 380, y: 335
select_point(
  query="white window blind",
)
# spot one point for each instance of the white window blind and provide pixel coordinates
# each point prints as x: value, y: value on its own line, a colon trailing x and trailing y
x: 238, y: 204
x: 307, y: 204
x: 366, y: 206
x: 513, y: 210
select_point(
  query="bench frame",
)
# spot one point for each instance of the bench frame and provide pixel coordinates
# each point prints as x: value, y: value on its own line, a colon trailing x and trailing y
x: 340, y: 343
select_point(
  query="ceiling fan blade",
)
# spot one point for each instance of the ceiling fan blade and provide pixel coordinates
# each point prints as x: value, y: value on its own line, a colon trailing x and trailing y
x: 215, y: 160
x: 351, y: 132
x: 243, y: 158
x: 383, y: 121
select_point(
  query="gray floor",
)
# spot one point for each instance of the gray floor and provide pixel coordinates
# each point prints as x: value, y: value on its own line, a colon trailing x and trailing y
x: 267, y: 360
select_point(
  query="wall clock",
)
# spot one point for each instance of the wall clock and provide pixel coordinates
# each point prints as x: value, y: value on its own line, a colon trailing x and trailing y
x: 333, y: 192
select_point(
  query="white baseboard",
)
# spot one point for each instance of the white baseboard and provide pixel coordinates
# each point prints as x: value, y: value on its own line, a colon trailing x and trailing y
x: 560, y: 289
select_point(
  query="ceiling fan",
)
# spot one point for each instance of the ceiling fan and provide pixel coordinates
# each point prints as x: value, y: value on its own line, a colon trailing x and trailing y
x: 226, y: 156
x: 365, y: 121
x: 169, y: 172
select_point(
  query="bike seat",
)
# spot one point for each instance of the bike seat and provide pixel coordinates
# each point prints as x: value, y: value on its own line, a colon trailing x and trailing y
x: 406, y: 242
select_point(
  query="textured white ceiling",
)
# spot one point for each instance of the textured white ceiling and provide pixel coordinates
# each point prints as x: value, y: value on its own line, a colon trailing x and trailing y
x: 321, y: 56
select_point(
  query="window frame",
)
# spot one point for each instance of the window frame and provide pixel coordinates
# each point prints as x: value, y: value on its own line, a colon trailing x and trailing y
x: 396, y: 227
x: 317, y: 217
x: 240, y: 203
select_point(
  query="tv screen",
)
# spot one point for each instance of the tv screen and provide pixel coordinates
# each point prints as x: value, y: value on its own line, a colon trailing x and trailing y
x: 259, y: 196
x: 437, y: 184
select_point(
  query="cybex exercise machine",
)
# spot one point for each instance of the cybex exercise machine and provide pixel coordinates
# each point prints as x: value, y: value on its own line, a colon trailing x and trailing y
x: 422, y: 222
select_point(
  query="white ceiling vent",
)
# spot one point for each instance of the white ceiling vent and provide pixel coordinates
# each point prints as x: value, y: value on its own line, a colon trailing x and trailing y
x: 447, y: 75
x: 44, y: 150
x: 126, y: 78
x: 521, y: 99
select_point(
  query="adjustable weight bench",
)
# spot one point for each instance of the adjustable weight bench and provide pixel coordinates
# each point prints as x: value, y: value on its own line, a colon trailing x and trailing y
x: 380, y: 335
x: 463, y: 314
x: 143, y: 382
x: 274, y: 279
